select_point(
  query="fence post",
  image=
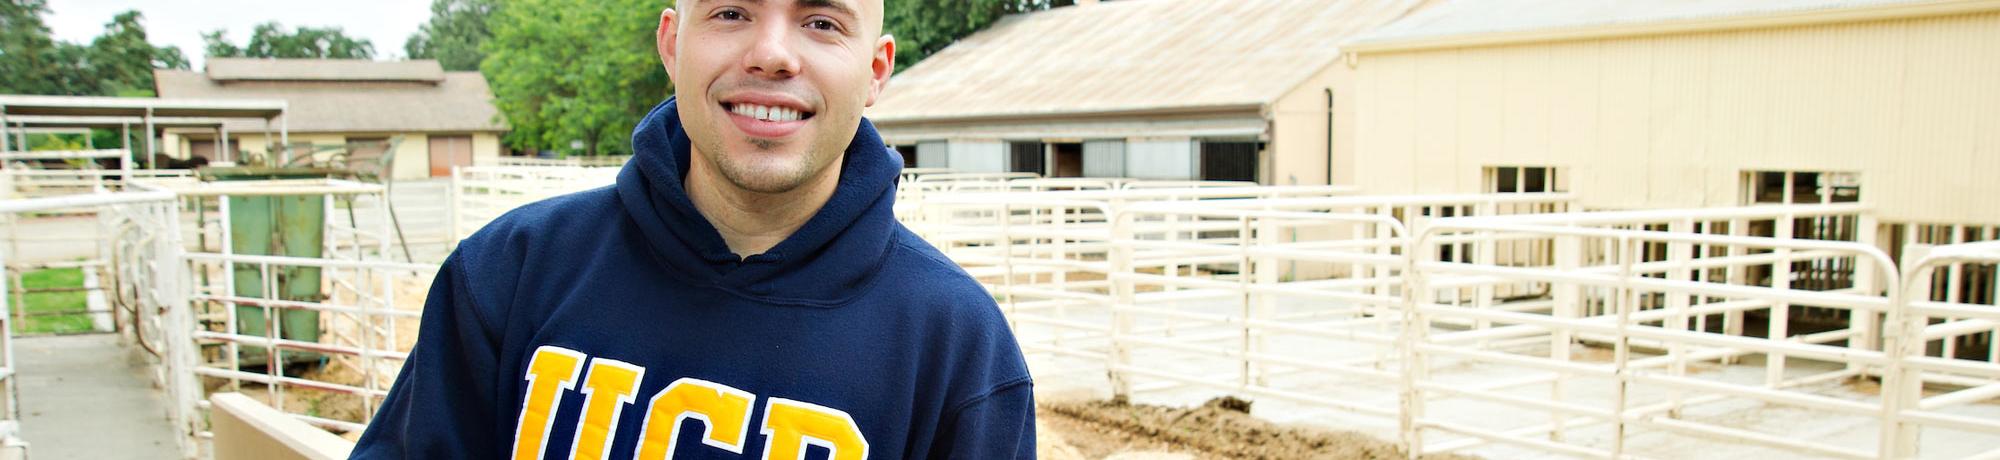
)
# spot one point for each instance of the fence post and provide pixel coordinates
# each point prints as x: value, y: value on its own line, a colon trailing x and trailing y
x: 9, y: 407
x: 1122, y: 299
x: 1264, y: 305
x: 178, y: 332
x: 1902, y: 385
x: 1867, y: 282
x: 451, y: 209
x: 1416, y: 329
x: 1569, y: 302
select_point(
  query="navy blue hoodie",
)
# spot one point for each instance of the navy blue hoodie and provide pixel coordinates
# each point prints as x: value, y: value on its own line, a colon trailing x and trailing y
x: 616, y: 323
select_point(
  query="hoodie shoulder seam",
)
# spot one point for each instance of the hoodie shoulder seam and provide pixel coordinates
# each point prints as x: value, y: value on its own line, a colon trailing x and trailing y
x: 1009, y: 384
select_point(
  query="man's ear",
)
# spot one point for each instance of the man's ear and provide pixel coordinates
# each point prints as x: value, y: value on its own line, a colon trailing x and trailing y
x: 883, y: 65
x: 667, y: 38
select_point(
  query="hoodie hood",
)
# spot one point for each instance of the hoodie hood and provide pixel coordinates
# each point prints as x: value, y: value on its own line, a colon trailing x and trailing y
x: 827, y: 262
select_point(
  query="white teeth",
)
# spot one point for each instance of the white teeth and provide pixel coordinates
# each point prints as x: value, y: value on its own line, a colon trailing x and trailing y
x: 766, y: 113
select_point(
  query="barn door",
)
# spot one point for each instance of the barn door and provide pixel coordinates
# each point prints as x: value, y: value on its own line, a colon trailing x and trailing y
x: 449, y: 151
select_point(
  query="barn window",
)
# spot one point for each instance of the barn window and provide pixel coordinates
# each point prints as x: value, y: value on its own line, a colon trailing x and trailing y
x: 1026, y: 157
x: 1525, y: 179
x: 1801, y: 187
x: 1229, y: 161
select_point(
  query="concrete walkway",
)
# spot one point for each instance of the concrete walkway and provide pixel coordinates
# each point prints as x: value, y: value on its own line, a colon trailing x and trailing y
x: 86, y: 397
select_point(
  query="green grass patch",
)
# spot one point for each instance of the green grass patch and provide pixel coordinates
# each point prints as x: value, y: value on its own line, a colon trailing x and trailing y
x: 54, y: 302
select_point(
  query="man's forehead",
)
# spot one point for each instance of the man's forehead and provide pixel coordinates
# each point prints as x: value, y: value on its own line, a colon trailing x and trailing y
x: 852, y: 7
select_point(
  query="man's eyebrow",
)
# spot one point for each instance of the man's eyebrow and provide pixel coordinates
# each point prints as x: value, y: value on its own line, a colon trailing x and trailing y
x: 836, y: 5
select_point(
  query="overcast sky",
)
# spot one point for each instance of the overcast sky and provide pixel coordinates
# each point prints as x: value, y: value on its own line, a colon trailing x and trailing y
x: 385, y: 23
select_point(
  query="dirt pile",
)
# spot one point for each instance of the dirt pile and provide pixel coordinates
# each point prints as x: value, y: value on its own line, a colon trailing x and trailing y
x: 1220, y: 428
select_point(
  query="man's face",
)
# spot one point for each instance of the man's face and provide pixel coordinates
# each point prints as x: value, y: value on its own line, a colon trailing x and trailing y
x: 771, y: 91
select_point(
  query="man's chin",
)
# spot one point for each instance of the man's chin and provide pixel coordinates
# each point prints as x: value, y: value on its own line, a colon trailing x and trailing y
x: 774, y: 177
x: 769, y: 184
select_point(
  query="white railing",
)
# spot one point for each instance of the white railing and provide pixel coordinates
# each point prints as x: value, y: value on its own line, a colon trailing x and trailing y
x: 1945, y: 395
x: 34, y: 183
x: 366, y: 325
x: 192, y: 308
x: 1291, y: 306
x: 480, y: 194
x: 1634, y: 349
x: 1318, y: 276
x: 607, y: 161
x: 157, y: 210
x: 1503, y: 325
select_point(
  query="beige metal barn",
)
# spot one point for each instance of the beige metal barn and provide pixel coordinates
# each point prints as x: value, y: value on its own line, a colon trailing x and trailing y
x: 1661, y: 104
x: 1150, y: 89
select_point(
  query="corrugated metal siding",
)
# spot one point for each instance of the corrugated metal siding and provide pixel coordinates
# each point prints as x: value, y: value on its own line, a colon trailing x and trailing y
x: 1104, y: 158
x: 933, y: 154
x: 1160, y: 159
x: 1673, y: 121
x: 978, y: 156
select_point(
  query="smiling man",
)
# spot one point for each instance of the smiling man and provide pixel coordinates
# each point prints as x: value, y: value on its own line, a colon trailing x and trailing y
x: 742, y: 292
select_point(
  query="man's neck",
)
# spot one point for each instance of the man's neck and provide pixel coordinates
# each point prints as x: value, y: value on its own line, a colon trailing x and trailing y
x: 752, y: 222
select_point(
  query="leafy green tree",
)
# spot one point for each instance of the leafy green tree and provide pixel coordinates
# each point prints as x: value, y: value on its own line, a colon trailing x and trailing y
x: 124, y: 60
x: 273, y: 41
x: 215, y: 45
x: 924, y: 27
x: 31, y: 61
x: 454, y: 34
x: 567, y: 71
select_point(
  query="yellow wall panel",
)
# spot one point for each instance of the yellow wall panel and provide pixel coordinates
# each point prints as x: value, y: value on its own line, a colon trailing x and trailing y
x: 1674, y: 120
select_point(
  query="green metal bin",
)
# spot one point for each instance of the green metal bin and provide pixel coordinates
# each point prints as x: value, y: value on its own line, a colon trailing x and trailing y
x: 288, y: 225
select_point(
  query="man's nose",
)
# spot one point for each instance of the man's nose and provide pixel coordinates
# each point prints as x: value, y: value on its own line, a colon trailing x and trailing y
x: 772, y: 55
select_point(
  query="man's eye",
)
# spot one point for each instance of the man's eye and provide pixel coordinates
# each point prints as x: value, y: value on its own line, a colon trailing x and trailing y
x: 729, y: 15
x: 823, y: 24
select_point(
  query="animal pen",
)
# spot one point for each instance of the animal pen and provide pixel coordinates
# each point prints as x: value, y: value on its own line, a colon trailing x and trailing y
x: 1505, y: 325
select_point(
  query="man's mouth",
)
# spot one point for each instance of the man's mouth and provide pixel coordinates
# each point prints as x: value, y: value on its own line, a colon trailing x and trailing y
x: 767, y: 113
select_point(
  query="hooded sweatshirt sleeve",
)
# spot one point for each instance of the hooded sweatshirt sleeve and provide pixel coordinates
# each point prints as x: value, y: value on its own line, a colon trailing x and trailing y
x: 442, y: 403
x: 997, y: 425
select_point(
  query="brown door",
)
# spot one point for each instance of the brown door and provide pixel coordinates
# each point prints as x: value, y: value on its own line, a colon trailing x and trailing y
x: 201, y: 149
x: 206, y: 149
x: 449, y: 151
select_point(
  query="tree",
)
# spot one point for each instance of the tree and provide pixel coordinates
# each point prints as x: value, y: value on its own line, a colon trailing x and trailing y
x: 271, y: 40
x: 217, y: 46
x: 456, y: 30
x: 557, y: 77
x: 924, y: 27
x: 124, y: 60
x: 28, y: 56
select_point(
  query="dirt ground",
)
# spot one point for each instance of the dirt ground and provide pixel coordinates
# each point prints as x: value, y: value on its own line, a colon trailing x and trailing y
x: 1219, y: 429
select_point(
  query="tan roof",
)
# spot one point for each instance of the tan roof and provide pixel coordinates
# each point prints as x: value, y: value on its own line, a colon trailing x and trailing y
x: 1133, y: 56
x: 235, y: 69
x: 456, y: 102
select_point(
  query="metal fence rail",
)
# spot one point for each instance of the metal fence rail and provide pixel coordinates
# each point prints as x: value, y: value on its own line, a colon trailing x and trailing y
x: 1503, y: 324
x: 1943, y: 391
x: 480, y: 194
x: 1667, y: 306
x: 366, y: 333
x: 156, y: 207
x: 1251, y: 302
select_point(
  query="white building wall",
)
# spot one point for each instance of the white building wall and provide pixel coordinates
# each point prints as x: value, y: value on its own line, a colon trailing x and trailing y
x: 1674, y: 120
